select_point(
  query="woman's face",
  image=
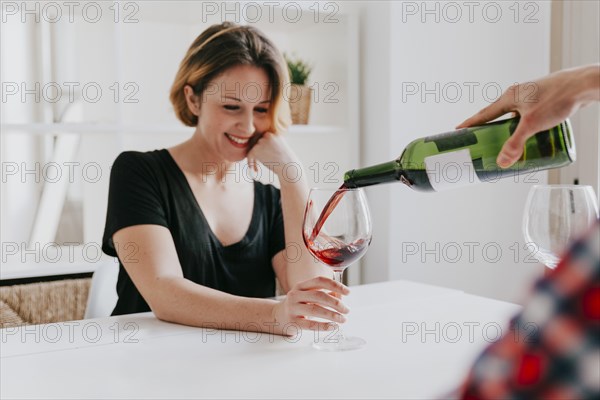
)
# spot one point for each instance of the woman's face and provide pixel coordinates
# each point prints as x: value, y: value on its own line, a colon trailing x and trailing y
x: 234, y: 108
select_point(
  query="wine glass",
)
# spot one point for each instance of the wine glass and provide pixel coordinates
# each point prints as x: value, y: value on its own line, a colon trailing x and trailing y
x: 337, y: 232
x: 554, y: 216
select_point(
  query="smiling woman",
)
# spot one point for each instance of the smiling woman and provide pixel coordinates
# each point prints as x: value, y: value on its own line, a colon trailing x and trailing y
x: 217, y: 50
x: 233, y: 119
x: 197, y: 243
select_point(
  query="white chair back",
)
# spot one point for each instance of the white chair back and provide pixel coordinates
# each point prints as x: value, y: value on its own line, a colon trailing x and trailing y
x: 103, y: 290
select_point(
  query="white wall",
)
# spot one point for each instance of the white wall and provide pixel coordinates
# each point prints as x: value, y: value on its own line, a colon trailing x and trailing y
x: 579, y: 44
x: 375, y: 92
x: 424, y: 51
x: 169, y: 34
x: 400, y: 45
x: 143, y: 54
x: 19, y: 65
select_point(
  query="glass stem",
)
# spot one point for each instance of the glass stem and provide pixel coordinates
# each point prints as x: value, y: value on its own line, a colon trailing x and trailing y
x: 337, y: 276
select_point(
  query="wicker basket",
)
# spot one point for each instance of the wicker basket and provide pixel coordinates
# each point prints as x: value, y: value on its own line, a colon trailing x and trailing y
x: 300, y: 99
x: 40, y: 303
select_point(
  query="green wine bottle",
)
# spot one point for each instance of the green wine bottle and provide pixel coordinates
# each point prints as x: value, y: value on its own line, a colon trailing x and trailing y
x: 468, y: 156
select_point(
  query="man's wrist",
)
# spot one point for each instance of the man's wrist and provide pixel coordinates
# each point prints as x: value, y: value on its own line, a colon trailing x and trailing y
x: 591, y: 83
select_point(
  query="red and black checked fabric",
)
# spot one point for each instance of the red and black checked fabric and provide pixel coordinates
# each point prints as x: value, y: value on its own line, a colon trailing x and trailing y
x: 553, y: 350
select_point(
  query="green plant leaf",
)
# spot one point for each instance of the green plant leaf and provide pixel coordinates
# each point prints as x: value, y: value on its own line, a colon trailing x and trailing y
x: 299, y: 69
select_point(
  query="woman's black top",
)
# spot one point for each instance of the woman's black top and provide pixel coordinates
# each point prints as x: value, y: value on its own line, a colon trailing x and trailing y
x: 150, y: 188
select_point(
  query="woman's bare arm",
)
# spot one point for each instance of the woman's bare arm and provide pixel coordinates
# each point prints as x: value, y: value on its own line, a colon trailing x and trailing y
x: 294, y: 264
x: 157, y: 274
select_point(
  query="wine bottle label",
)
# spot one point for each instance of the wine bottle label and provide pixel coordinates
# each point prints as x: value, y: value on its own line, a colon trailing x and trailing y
x: 453, y: 140
x: 449, y: 170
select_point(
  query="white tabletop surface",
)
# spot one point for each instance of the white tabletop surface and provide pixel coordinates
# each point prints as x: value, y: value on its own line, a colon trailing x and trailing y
x: 421, y: 341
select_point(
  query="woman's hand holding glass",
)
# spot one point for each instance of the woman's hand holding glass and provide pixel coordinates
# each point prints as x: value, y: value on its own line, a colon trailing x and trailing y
x: 337, y: 231
x: 314, y: 298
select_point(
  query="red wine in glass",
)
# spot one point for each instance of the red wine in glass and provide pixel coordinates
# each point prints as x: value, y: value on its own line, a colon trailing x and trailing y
x: 327, y: 210
x: 339, y: 255
x: 337, y: 232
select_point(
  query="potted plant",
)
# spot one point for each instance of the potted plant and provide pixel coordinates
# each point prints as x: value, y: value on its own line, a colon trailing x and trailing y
x: 300, y: 94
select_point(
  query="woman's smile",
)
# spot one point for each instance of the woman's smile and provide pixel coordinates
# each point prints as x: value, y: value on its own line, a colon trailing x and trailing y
x: 237, y: 141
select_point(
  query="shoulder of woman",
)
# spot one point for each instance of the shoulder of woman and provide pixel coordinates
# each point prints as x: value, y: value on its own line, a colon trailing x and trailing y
x: 130, y: 157
x: 135, y: 160
x: 136, y: 166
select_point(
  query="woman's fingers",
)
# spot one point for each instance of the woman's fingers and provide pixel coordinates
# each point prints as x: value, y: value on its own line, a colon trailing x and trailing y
x: 316, y: 311
x: 324, y: 299
x: 273, y: 153
x: 316, y: 298
x: 324, y: 283
x: 251, y: 154
x: 311, y: 325
x: 252, y: 164
x: 254, y: 139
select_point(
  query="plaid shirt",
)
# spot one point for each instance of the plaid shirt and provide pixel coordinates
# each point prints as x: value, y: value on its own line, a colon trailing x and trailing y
x: 553, y: 350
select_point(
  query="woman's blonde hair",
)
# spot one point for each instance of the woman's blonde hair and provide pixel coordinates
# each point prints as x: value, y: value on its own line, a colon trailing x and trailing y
x: 221, y: 47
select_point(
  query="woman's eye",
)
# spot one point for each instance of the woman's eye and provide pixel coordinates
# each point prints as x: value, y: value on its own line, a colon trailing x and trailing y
x: 261, y: 110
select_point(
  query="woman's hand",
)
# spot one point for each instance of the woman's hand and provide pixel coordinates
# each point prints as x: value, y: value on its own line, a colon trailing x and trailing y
x: 273, y: 152
x: 311, y: 299
x: 542, y: 104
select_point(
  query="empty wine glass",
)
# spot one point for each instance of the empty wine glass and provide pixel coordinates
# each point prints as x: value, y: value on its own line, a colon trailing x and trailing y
x: 337, y: 232
x: 554, y: 216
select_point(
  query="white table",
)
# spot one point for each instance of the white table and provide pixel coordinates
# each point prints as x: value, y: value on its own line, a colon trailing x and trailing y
x: 421, y: 341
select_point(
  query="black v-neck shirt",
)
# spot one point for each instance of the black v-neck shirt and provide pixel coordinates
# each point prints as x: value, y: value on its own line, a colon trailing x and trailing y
x: 150, y: 188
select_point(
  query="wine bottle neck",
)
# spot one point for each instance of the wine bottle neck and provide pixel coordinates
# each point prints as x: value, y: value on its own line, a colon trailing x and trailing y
x: 373, y: 175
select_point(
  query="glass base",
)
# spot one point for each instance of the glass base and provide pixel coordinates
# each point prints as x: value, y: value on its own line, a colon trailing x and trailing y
x: 340, y: 344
